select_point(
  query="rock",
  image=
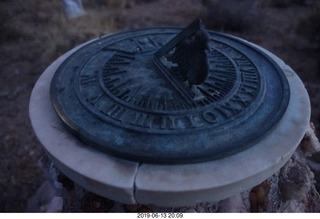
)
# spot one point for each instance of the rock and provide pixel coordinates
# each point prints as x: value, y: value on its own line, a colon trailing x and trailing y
x: 233, y: 204
x: 265, y: 196
x: 206, y: 207
x: 73, y: 8
x: 55, y: 204
x: 314, y: 164
x: 296, y: 178
x: 41, y: 200
x: 292, y: 206
x: 245, y: 199
x: 310, y: 143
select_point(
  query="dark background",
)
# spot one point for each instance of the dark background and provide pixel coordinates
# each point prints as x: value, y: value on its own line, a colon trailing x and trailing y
x: 33, y: 33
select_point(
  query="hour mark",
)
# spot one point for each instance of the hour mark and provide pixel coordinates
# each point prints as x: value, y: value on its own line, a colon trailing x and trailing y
x: 88, y: 80
x: 95, y: 98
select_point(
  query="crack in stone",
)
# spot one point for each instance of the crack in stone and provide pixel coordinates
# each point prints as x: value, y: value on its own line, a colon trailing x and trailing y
x: 134, y: 182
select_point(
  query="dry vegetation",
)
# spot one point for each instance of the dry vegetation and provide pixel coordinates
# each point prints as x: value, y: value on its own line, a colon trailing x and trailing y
x: 35, y: 32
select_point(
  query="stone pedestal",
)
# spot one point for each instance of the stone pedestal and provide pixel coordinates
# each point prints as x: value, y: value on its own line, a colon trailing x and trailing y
x: 291, y: 189
x: 168, y: 185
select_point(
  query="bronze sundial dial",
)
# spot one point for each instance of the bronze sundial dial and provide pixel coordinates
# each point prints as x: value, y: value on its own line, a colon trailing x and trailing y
x: 170, y: 95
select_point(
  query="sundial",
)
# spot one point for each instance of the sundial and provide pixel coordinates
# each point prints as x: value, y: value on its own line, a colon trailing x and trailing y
x: 170, y: 95
x: 169, y: 116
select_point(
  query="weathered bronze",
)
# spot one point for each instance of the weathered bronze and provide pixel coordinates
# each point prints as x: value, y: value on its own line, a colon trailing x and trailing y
x: 170, y: 95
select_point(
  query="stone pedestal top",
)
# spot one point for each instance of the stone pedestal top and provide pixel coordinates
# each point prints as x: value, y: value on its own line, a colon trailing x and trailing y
x: 168, y: 185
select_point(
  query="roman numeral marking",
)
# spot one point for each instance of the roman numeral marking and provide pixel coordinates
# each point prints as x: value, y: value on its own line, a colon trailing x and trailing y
x: 88, y: 80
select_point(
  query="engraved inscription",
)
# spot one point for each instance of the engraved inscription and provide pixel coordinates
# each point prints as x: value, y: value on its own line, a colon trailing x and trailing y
x: 209, y: 117
x: 88, y: 80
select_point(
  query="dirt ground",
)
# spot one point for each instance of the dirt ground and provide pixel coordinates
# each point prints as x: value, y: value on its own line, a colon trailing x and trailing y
x: 34, y: 33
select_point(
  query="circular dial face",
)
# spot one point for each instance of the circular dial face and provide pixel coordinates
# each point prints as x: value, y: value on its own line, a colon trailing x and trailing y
x: 118, y: 97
